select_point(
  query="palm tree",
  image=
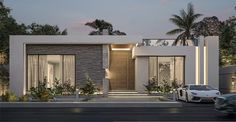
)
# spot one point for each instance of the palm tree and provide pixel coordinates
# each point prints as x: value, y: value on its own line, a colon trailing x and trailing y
x: 185, y: 23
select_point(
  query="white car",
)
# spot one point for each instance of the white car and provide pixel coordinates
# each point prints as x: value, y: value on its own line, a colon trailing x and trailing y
x: 197, y: 93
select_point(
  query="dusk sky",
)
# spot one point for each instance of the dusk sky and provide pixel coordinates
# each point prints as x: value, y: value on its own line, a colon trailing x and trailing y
x: 148, y: 18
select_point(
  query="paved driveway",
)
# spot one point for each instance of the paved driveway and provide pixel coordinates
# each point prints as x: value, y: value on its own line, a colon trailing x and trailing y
x: 189, y: 112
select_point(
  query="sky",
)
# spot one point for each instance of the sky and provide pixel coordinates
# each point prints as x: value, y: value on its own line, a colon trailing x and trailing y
x: 148, y: 18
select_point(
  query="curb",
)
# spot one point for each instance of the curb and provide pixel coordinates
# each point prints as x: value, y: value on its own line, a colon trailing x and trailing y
x: 88, y: 104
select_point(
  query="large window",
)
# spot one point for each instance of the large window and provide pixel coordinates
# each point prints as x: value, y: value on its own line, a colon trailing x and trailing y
x: 50, y: 68
x: 167, y: 69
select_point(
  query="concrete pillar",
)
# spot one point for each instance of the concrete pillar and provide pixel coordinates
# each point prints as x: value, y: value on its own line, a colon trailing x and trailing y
x: 201, y: 60
x: 141, y: 73
x: 17, y: 68
x: 212, y: 61
x: 105, y: 56
x: 105, y: 64
x: 105, y: 86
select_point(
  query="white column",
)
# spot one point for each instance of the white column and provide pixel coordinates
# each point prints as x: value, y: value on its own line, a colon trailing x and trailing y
x: 17, y: 67
x: 201, y: 60
x: 105, y: 64
x: 105, y: 56
x: 105, y: 86
x: 141, y: 73
x: 212, y: 61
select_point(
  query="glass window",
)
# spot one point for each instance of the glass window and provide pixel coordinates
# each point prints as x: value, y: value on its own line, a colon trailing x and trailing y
x: 50, y: 68
x: 166, y: 69
x: 201, y: 87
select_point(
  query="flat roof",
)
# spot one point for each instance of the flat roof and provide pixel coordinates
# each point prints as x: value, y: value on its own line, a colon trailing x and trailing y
x: 67, y: 39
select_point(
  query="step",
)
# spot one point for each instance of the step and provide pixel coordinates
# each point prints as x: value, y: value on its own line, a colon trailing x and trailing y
x: 125, y: 93
x: 122, y: 92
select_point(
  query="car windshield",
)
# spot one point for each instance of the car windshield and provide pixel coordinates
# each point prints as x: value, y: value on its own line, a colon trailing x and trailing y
x: 200, y: 87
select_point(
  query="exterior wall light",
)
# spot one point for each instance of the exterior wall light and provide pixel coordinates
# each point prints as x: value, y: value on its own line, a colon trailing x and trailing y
x: 121, y: 49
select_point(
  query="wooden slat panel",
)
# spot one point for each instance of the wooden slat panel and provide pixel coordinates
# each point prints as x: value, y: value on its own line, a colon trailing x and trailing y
x: 121, y: 71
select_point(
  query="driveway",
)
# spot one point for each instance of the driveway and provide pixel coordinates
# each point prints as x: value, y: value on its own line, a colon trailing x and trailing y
x: 189, y: 112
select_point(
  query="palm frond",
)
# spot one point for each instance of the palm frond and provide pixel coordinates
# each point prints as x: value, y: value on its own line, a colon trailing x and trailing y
x: 177, y: 17
x: 177, y: 22
x: 175, y: 31
x: 179, y: 37
x: 183, y: 14
x: 186, y: 23
x: 195, y: 16
x: 190, y: 9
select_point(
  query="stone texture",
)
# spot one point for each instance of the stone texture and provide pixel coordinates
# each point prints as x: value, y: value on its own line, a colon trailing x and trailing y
x: 88, y: 59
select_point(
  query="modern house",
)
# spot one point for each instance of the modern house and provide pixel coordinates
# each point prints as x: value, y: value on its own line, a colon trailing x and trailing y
x: 115, y: 63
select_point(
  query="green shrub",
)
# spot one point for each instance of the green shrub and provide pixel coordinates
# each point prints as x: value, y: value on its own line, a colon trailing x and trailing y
x: 158, y: 88
x: 41, y: 92
x: 9, y: 97
x: 151, y: 86
x: 64, y: 88
x: 165, y: 86
x: 174, y: 84
x: 89, y: 88
x: 24, y: 98
x: 57, y: 87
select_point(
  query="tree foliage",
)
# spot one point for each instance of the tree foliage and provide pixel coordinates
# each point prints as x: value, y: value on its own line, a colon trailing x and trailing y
x: 185, y: 23
x: 208, y: 26
x: 100, y: 26
x: 211, y: 26
x: 228, y: 44
x: 9, y: 26
x: 37, y: 29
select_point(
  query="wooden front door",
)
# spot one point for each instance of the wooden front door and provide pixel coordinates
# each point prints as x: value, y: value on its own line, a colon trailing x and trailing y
x: 121, y: 70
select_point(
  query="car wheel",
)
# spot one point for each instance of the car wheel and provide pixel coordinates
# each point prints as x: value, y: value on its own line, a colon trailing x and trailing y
x: 230, y: 110
x: 186, y: 98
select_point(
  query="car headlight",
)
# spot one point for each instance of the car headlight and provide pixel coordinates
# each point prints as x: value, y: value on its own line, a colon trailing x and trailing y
x: 218, y: 93
x: 193, y: 93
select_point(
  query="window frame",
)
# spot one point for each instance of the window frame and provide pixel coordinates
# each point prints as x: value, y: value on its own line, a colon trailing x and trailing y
x: 26, y: 74
x: 172, y: 56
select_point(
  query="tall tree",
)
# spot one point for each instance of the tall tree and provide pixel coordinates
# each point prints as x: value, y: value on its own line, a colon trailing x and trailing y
x: 9, y: 26
x: 228, y: 43
x: 209, y: 26
x: 185, y: 23
x: 37, y: 29
x: 100, y: 25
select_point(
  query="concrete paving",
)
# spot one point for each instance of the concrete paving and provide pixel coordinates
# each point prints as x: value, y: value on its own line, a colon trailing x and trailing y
x: 110, y: 101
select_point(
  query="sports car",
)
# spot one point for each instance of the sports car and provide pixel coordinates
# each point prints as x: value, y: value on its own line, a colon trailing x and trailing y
x: 197, y: 93
x: 226, y: 103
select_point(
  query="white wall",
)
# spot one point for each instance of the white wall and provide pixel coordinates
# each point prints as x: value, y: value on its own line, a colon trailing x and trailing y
x: 212, y: 55
x: 142, y: 53
x: 18, y: 57
x: 141, y: 73
x: 18, y: 52
x: 17, y: 67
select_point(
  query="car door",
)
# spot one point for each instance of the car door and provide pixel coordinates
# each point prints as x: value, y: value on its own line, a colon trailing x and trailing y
x: 185, y: 88
x: 182, y: 92
x: 233, y: 102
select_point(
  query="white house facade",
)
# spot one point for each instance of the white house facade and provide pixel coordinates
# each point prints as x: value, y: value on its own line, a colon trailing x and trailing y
x: 114, y: 63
